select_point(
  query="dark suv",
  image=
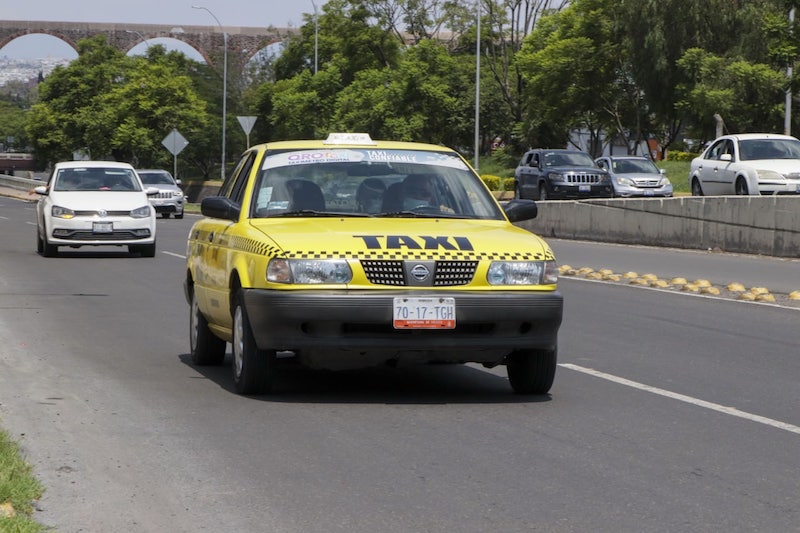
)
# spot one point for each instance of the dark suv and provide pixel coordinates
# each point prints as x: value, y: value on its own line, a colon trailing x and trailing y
x: 545, y: 174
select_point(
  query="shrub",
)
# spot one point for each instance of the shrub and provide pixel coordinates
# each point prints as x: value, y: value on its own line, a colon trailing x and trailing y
x: 493, y: 182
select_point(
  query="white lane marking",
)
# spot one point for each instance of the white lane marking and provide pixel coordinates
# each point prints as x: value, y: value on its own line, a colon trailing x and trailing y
x: 732, y: 411
x: 31, y: 223
x: 5, y: 218
x: 681, y: 293
x: 179, y: 256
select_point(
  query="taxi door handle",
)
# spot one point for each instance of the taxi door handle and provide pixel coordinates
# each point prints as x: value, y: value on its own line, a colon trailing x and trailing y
x: 211, y: 237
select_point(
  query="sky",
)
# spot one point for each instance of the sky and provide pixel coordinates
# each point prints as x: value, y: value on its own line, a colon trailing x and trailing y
x: 258, y: 13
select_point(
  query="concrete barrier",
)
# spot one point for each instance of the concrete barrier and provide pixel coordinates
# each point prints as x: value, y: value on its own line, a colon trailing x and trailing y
x: 768, y: 225
x: 22, y: 184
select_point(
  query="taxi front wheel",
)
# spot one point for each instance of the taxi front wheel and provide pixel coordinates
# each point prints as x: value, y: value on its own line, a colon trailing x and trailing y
x: 206, y: 348
x: 532, y: 371
x: 253, y: 369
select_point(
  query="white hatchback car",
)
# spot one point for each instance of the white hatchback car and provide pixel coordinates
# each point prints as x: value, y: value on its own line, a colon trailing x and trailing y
x: 749, y: 164
x: 95, y: 203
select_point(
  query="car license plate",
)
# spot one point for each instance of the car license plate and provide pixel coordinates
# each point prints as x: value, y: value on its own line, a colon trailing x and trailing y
x: 424, y: 313
x: 585, y: 188
x: 102, y: 227
x: 649, y: 193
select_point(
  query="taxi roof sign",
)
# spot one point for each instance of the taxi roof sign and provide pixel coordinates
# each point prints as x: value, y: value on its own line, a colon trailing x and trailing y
x: 349, y: 138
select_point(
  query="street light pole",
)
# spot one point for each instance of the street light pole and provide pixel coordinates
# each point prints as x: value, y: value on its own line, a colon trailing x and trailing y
x: 316, y: 37
x: 224, y: 84
x: 477, y: 84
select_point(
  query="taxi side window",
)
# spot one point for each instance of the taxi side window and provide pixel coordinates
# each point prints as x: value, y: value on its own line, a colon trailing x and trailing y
x: 233, y: 187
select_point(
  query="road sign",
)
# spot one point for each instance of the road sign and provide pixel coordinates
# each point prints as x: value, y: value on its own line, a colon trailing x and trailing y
x: 247, y: 125
x: 174, y: 142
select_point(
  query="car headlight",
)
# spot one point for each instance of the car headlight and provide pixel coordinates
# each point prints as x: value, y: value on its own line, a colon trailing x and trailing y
x: 141, y: 212
x: 522, y: 273
x: 309, y: 271
x: 62, y: 212
x: 770, y: 175
x: 664, y: 182
x: 625, y: 181
x: 556, y: 176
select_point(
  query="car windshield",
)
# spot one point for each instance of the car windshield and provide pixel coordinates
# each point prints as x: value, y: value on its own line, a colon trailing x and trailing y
x: 634, y: 166
x: 95, y: 179
x: 568, y: 159
x: 754, y: 149
x: 370, y: 183
x: 156, y: 178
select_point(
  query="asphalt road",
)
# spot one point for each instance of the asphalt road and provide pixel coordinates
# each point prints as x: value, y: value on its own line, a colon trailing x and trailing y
x: 669, y: 412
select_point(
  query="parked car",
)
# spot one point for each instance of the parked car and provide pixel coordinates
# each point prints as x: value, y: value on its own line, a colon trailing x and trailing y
x: 544, y: 174
x: 635, y: 176
x: 170, y: 198
x: 748, y: 164
x: 95, y: 203
x: 350, y: 252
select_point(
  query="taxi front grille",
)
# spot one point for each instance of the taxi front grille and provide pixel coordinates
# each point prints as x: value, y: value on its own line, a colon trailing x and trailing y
x: 446, y: 273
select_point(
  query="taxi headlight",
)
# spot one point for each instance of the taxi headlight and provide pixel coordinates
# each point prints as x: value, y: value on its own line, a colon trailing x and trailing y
x: 522, y: 273
x: 141, y: 212
x: 309, y: 271
x: 62, y: 212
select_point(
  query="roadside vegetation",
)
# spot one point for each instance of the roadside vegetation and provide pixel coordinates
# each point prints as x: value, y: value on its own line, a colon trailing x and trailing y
x: 553, y: 73
x: 18, y: 489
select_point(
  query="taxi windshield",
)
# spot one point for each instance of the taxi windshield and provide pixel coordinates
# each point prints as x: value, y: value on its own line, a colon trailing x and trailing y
x: 370, y: 183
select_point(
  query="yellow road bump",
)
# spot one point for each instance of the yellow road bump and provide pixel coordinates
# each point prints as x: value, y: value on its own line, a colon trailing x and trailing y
x: 710, y: 290
x: 585, y: 270
x: 630, y: 275
x: 690, y: 287
x: 765, y: 297
x: 649, y: 277
x: 612, y: 277
x: 759, y: 290
x: 605, y: 271
x: 736, y: 287
x: 794, y: 295
x: 678, y: 281
x: 659, y: 283
x: 639, y: 281
x: 566, y: 270
x: 748, y: 296
x: 594, y: 275
x: 702, y: 283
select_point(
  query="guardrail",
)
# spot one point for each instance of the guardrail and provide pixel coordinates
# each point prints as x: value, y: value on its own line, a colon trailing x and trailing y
x: 22, y: 184
x: 767, y: 225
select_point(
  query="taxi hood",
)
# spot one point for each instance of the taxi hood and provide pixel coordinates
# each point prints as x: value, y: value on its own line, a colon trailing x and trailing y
x: 401, y: 238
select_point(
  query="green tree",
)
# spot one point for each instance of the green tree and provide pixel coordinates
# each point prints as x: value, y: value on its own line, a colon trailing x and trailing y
x: 748, y: 96
x: 114, y: 106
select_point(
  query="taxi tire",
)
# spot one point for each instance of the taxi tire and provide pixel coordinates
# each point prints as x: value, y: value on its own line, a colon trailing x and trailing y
x: 253, y: 369
x: 205, y: 347
x: 532, y: 371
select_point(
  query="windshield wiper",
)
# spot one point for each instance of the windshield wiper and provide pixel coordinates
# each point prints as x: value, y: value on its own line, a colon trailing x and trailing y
x: 315, y: 213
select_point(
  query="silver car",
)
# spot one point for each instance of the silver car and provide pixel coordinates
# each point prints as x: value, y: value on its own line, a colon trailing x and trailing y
x: 635, y: 176
x: 170, y: 198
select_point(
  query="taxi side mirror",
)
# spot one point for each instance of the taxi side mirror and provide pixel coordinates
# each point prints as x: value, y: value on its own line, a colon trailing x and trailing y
x: 220, y: 207
x: 519, y: 210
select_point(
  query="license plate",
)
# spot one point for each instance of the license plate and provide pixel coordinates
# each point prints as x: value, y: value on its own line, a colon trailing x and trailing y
x: 649, y: 193
x: 424, y: 313
x: 585, y: 188
x: 102, y: 227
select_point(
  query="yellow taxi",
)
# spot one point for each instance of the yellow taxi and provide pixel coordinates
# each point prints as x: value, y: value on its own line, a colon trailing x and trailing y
x: 349, y: 252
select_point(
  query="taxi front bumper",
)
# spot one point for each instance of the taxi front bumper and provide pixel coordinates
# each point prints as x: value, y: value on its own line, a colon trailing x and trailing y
x: 333, y: 329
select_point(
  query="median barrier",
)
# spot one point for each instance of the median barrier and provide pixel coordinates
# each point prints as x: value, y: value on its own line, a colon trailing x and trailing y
x: 767, y: 225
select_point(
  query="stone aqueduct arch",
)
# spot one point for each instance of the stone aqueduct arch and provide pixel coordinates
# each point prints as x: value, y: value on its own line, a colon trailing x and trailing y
x: 243, y: 42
